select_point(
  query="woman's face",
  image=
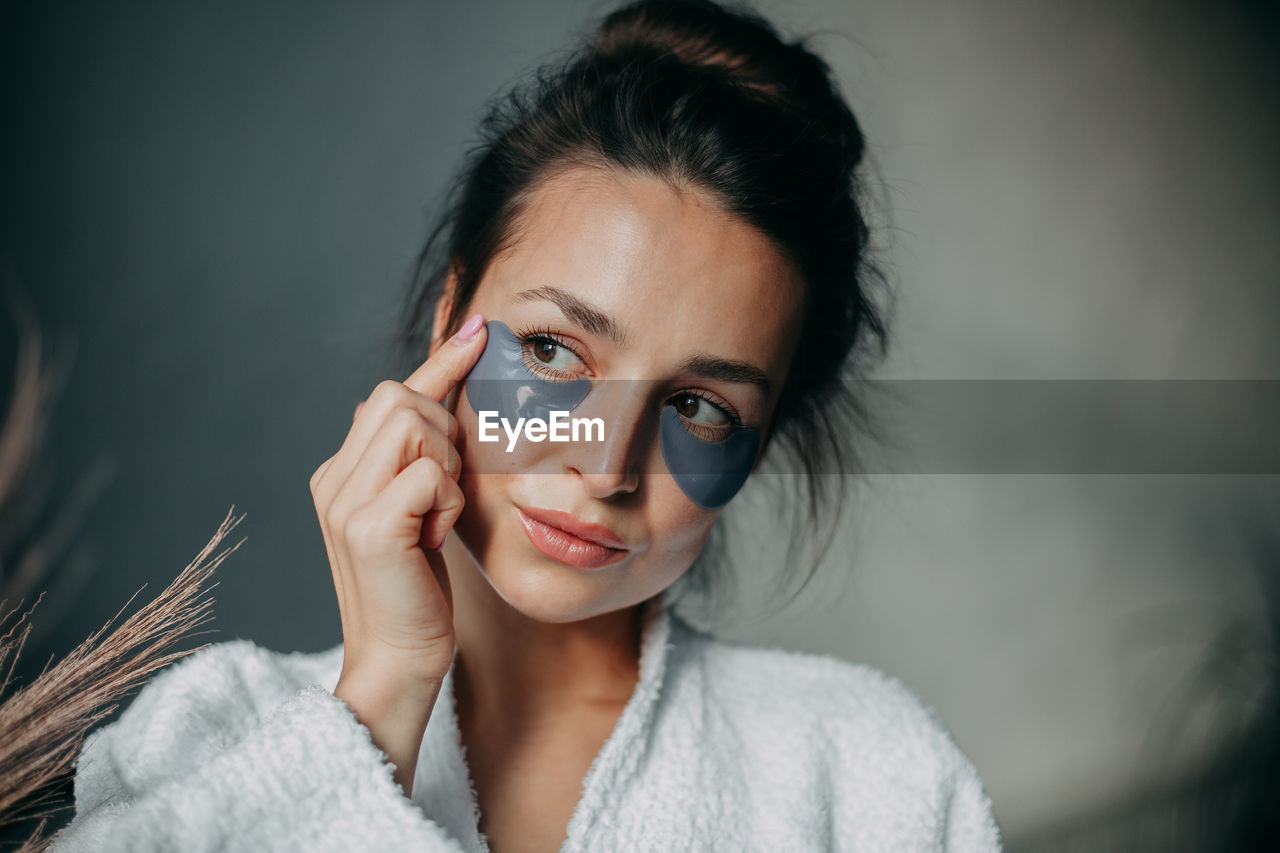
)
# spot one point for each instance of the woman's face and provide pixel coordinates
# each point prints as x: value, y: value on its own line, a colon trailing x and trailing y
x: 622, y: 279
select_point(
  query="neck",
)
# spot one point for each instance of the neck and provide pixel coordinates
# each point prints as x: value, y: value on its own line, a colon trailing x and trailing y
x: 515, y: 668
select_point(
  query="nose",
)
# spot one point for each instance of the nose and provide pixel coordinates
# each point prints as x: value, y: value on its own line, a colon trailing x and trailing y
x: 612, y: 467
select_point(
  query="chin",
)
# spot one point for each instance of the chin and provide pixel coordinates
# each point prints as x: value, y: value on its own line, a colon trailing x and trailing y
x: 544, y: 598
x: 550, y: 593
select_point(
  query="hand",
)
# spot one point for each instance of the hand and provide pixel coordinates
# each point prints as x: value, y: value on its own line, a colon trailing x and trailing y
x: 386, y: 500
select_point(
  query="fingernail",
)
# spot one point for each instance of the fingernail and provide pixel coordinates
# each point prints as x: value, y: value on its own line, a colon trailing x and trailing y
x: 469, y: 329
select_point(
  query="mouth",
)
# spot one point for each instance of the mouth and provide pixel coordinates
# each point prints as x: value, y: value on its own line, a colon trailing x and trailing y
x: 562, y: 537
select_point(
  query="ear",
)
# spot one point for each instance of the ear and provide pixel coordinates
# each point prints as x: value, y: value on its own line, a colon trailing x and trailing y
x: 444, y: 307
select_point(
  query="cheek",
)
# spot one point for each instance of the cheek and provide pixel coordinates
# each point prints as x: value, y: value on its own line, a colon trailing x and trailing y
x: 481, y: 457
x: 492, y: 457
x: 489, y: 479
x: 484, y: 465
x: 678, y: 526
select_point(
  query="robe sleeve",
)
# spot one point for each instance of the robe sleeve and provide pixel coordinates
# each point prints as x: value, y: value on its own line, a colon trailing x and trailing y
x: 194, y: 766
x: 970, y: 823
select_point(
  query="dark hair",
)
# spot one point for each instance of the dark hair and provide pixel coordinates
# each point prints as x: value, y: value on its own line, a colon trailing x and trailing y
x: 710, y: 98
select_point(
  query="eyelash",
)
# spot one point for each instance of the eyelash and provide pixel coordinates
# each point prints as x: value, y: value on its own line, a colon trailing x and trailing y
x: 544, y: 335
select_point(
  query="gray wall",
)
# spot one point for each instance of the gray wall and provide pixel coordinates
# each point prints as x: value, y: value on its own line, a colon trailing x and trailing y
x: 219, y: 204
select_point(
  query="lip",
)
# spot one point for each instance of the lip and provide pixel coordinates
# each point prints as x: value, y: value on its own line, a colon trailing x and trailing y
x: 564, y: 538
x: 596, y: 533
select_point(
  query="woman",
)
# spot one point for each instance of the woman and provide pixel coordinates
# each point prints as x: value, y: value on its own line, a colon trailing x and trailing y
x: 663, y: 235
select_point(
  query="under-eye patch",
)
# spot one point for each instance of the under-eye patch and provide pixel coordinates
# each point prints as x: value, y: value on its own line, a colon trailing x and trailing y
x: 502, y: 381
x: 710, y: 473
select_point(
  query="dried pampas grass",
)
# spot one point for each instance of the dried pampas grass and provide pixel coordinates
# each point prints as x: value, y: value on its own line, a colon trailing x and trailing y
x: 43, y: 724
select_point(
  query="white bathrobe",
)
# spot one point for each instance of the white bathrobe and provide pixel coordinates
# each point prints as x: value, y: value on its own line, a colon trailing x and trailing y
x: 722, y: 747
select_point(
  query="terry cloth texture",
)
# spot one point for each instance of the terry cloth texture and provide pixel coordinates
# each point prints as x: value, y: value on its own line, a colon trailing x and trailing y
x: 722, y: 747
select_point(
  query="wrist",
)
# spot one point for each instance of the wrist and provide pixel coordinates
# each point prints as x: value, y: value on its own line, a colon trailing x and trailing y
x: 396, y: 714
x: 373, y: 663
x: 378, y: 696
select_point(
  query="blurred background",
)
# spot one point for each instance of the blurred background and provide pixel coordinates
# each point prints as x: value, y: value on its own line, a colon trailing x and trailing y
x: 213, y: 209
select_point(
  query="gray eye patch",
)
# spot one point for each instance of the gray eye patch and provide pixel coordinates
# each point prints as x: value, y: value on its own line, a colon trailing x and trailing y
x: 710, y: 473
x: 501, y: 381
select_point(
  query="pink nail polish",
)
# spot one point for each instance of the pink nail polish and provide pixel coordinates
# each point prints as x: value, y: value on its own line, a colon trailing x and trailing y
x: 469, y: 328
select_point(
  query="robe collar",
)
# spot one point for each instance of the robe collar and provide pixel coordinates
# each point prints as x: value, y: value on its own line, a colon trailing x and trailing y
x: 442, y: 784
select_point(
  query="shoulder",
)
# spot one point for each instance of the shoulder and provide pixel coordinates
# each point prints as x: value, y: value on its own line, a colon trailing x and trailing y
x: 853, y: 703
x: 219, y: 686
x: 196, y: 706
x: 850, y: 735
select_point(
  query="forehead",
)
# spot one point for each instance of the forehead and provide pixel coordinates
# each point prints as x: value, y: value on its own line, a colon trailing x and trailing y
x: 669, y: 265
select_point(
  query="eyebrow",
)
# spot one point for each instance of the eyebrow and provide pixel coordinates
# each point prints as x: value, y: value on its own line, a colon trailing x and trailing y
x: 588, y: 317
x: 599, y: 323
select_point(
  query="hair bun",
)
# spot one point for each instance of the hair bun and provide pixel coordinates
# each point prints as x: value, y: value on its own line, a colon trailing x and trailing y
x: 700, y: 33
x: 747, y: 51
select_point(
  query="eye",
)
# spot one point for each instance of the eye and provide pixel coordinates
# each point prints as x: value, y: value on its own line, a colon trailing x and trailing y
x: 550, y: 357
x: 707, y: 420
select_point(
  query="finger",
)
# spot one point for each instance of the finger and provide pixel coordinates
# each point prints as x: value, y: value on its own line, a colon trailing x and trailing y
x: 386, y: 397
x: 329, y: 550
x: 443, y: 515
x: 451, y: 361
x: 319, y: 474
x: 422, y: 491
x: 439, y: 568
x: 403, y: 437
